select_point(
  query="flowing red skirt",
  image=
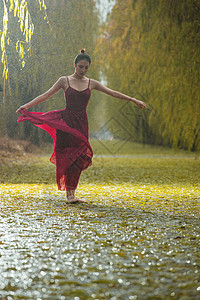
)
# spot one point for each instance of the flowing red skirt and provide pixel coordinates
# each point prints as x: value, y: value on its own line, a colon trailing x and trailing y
x: 69, y: 130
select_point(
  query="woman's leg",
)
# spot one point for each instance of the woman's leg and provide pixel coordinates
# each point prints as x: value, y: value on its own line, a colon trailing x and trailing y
x: 72, y: 178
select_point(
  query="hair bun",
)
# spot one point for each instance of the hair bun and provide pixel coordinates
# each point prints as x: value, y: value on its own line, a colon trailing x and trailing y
x: 82, y: 56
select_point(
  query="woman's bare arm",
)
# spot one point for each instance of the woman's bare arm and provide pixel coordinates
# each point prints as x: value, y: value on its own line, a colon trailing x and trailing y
x: 58, y: 85
x: 102, y: 88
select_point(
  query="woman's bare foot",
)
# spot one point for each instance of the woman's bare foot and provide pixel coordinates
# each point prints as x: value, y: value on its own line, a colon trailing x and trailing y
x: 72, y: 199
x: 82, y: 201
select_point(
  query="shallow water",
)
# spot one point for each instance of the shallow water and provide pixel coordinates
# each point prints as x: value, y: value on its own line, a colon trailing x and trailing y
x: 106, y: 249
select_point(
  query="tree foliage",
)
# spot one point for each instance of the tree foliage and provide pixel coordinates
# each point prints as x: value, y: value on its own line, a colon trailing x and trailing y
x: 20, y: 10
x: 152, y: 52
x: 53, y: 48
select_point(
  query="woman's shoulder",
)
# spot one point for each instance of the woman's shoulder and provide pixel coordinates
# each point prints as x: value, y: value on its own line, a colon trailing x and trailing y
x: 97, y: 85
x: 94, y: 83
x: 63, y: 78
x: 62, y: 81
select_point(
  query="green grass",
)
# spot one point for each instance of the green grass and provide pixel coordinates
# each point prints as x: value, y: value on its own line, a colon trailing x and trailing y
x: 136, y: 238
x: 119, y: 147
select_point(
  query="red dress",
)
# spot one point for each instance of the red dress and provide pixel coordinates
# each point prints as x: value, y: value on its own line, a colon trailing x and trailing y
x: 69, y: 129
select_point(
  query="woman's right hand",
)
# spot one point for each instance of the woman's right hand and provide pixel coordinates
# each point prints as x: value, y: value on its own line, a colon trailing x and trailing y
x: 21, y: 107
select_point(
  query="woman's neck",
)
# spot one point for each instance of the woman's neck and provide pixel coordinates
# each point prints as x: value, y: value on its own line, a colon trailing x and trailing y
x: 76, y: 76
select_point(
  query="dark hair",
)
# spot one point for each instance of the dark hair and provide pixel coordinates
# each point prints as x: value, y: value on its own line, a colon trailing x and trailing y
x: 82, y: 56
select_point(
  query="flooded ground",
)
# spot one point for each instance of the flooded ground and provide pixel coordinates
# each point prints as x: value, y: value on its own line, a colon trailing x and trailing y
x: 136, y: 238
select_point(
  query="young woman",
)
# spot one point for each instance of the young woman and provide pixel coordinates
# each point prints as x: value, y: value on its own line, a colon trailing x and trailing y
x: 69, y: 127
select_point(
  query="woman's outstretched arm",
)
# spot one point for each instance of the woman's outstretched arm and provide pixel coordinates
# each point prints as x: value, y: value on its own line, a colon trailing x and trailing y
x: 58, y: 85
x: 102, y: 88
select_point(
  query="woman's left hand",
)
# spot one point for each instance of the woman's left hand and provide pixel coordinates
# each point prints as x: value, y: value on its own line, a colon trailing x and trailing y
x: 141, y: 104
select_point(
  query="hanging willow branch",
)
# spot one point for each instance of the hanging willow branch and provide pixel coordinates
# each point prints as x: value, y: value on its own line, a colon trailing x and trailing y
x: 21, y: 11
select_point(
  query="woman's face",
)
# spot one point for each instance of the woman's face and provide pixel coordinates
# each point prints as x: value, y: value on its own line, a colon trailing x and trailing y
x: 82, y: 67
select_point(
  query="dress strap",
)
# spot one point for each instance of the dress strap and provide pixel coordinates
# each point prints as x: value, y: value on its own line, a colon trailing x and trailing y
x: 89, y: 84
x: 68, y: 81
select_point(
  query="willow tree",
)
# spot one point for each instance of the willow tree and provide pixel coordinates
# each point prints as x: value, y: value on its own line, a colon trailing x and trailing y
x: 152, y: 52
x: 73, y: 26
x: 20, y: 10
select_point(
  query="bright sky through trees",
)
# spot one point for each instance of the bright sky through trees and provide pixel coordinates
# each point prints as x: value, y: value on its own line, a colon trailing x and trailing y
x: 105, y: 7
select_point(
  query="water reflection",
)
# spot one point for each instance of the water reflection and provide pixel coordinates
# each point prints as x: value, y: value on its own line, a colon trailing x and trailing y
x: 96, y: 251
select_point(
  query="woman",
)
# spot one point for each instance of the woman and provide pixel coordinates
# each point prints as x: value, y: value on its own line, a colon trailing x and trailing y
x: 69, y: 127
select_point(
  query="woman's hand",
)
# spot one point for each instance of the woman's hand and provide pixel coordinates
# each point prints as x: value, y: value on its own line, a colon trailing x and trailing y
x: 140, y: 104
x: 21, y: 107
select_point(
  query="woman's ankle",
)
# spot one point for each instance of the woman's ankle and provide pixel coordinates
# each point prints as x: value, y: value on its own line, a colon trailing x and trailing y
x: 70, y: 193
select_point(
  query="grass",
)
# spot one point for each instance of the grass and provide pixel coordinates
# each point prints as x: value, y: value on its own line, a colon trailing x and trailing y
x: 137, y: 238
x: 119, y: 147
